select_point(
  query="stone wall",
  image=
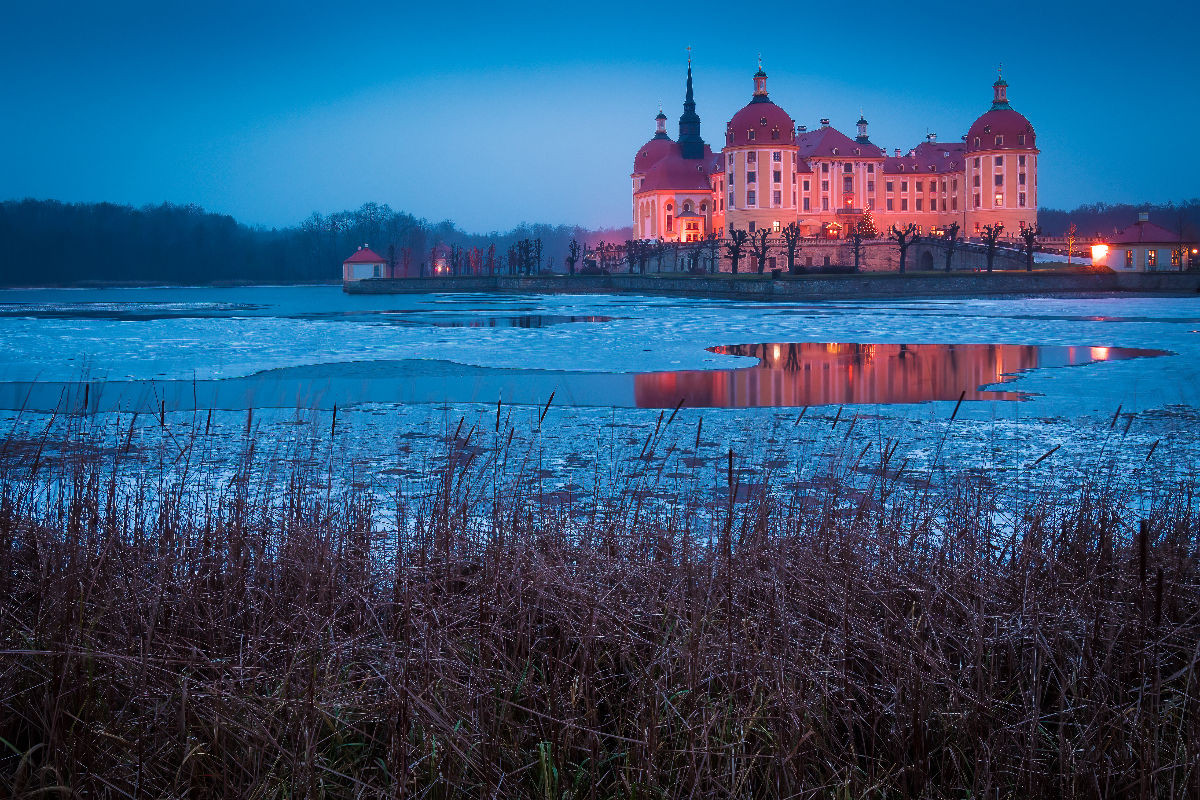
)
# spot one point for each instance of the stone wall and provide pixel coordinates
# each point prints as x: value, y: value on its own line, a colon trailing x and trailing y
x: 804, y: 287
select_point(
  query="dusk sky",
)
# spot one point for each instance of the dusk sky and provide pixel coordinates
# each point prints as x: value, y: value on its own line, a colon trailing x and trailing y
x: 493, y: 114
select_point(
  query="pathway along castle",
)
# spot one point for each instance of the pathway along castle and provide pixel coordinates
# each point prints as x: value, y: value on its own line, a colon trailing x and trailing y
x: 772, y: 172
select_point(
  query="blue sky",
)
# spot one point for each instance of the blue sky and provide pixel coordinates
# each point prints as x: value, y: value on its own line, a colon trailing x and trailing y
x: 494, y: 114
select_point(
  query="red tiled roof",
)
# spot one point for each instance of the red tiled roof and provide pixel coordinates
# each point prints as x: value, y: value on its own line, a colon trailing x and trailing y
x: 770, y: 123
x: 651, y: 152
x: 676, y: 173
x: 365, y: 255
x: 1001, y: 122
x: 1145, y: 233
x: 929, y: 157
x: 822, y: 142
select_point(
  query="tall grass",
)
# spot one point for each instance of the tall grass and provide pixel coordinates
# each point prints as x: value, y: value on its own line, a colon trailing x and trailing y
x: 262, y: 635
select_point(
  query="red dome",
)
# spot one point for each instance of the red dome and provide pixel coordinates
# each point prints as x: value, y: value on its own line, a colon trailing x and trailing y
x: 1001, y: 122
x: 770, y: 123
x: 679, y: 174
x: 652, y: 152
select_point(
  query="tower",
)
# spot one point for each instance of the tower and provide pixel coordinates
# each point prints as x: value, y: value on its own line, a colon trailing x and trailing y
x: 691, y: 146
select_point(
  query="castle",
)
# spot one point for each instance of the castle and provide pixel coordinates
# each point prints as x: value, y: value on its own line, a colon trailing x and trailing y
x: 772, y: 172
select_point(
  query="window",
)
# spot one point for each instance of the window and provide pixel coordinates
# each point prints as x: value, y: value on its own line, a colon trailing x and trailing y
x: 729, y: 178
x: 825, y: 166
x: 1176, y: 259
x: 954, y: 186
x: 1151, y: 259
x: 954, y: 202
x: 378, y: 271
x: 848, y: 167
x: 806, y: 185
x: 669, y: 219
x: 1021, y: 161
x: 999, y: 179
x: 750, y: 198
x: 775, y: 227
x: 889, y: 204
x: 777, y: 198
x: 750, y: 136
x: 904, y: 186
x: 824, y: 186
x: 999, y: 160
x: 1021, y: 199
x: 670, y: 208
x: 943, y: 187
x: 824, y: 203
x: 976, y: 157
x: 978, y: 204
x: 999, y: 141
x: 977, y: 145
x: 920, y: 186
x: 775, y: 134
x: 731, y: 159
x: 904, y: 204
x: 918, y: 204
x: 847, y: 184
x: 807, y: 204
x: 704, y: 208
x: 999, y: 200
x: 687, y: 205
x: 871, y: 187
x: 870, y: 169
x: 776, y: 156
x: 751, y: 157
x: 1129, y: 259
x: 793, y: 197
x: 731, y: 205
x: 889, y: 186
x: 976, y: 181
x: 1021, y: 140
x: 777, y: 176
x: 835, y: 151
x: 751, y: 226
x: 723, y: 202
x: 751, y: 177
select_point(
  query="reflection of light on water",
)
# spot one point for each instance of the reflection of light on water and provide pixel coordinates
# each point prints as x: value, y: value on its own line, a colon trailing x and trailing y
x: 1099, y: 353
x: 776, y: 352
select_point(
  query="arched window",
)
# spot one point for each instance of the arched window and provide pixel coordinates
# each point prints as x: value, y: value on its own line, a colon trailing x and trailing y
x: 687, y: 205
x: 669, y: 207
x: 703, y: 207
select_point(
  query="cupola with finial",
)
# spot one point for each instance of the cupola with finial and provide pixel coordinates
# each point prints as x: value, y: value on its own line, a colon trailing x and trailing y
x: 760, y: 84
x: 862, y: 129
x: 1000, y: 91
x: 660, y: 129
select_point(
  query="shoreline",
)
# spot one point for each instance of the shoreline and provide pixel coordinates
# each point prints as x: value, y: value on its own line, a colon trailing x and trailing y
x: 882, y: 285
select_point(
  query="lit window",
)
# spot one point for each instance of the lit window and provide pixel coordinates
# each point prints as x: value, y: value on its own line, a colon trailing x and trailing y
x: 1176, y: 257
x: 999, y: 199
x: 1129, y: 258
x: 775, y: 227
x: 1151, y: 258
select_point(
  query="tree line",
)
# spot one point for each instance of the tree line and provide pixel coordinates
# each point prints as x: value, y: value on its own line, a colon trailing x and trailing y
x: 46, y: 242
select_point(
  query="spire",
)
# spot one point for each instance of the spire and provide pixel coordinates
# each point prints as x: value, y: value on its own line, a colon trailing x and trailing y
x: 690, y: 143
x: 1000, y: 91
x: 760, y: 84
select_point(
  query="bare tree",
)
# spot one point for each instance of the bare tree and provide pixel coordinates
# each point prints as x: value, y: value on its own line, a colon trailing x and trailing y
x: 991, y: 236
x: 573, y: 253
x: 856, y: 246
x: 1071, y: 232
x: 791, y: 244
x: 761, y: 247
x: 905, y: 238
x: 712, y: 243
x: 734, y: 246
x: 950, y: 236
x: 1030, y: 234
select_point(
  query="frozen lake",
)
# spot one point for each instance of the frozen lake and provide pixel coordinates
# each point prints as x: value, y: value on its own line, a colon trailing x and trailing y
x: 770, y: 379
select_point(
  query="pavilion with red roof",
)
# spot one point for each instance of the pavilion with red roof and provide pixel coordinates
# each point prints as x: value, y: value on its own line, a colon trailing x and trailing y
x: 364, y: 263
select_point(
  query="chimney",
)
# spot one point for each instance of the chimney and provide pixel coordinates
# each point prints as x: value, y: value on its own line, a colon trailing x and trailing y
x: 802, y: 128
x: 825, y: 122
x: 1143, y: 216
x: 931, y: 138
x: 912, y: 153
x: 897, y: 152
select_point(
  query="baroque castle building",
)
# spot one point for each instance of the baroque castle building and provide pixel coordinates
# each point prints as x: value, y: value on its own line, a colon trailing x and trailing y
x: 772, y: 172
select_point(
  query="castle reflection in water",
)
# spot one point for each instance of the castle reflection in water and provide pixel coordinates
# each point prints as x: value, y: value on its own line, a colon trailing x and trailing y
x: 813, y: 373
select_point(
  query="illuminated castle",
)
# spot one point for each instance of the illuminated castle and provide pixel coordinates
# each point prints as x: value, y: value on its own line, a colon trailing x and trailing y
x: 772, y: 172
